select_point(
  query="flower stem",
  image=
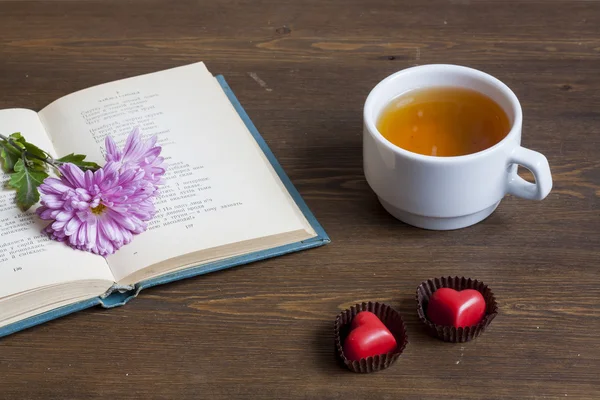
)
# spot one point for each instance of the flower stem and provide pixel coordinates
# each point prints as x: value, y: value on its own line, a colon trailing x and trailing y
x: 24, y: 153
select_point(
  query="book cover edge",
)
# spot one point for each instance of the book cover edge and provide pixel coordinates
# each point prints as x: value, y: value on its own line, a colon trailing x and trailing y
x: 48, y: 316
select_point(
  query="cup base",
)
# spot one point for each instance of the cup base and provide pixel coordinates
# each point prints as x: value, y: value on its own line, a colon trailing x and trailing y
x: 437, y: 223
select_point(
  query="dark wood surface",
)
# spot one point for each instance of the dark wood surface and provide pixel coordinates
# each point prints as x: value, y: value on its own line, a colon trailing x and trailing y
x: 302, y: 70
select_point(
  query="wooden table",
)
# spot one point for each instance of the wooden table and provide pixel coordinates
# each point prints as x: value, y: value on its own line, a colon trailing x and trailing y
x: 302, y: 70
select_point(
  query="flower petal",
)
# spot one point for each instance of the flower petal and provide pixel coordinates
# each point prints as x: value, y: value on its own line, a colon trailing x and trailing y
x: 106, y: 228
x: 64, y: 215
x: 112, y: 151
x: 73, y: 175
x: 72, y: 226
x: 53, y: 186
x: 92, y: 229
x: 81, y: 234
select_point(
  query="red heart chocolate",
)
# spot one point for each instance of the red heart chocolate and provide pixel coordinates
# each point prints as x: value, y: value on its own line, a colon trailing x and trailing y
x: 368, y: 337
x: 459, y: 309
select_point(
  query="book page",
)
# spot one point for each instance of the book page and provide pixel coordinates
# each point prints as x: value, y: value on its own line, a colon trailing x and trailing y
x: 28, y: 258
x: 219, y: 191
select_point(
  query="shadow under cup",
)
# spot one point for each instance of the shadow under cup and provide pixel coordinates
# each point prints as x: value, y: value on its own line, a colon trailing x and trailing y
x: 444, y: 193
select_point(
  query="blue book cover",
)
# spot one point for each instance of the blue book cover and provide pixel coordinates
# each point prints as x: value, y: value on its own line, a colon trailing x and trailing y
x: 120, y: 295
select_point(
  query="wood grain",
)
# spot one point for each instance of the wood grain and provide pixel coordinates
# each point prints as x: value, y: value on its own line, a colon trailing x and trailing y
x: 265, y: 330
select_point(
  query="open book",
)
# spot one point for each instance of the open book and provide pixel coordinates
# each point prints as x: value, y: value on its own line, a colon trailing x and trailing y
x: 226, y: 200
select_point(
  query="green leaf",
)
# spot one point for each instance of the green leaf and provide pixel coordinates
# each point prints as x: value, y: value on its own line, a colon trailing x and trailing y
x: 18, y: 139
x: 9, y: 153
x: 78, y: 159
x: 35, y: 155
x: 9, y: 157
x: 72, y: 158
x: 36, y: 151
x: 26, y: 181
x: 37, y: 165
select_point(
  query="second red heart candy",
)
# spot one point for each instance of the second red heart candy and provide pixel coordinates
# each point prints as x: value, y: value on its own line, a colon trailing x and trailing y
x: 456, y: 308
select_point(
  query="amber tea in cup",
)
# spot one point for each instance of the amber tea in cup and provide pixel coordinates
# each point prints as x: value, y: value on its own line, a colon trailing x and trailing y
x: 443, y: 121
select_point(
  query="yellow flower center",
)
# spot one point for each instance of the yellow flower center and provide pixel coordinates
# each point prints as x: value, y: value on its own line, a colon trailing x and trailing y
x: 98, y: 209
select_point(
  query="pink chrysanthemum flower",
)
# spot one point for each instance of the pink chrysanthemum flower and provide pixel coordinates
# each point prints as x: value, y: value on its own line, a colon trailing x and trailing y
x: 138, y: 154
x: 96, y: 211
x: 101, y: 211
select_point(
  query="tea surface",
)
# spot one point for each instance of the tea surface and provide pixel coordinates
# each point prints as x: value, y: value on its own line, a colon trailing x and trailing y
x: 443, y: 121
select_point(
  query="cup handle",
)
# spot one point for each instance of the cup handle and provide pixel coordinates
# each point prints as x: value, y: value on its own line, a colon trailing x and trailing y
x: 538, y: 165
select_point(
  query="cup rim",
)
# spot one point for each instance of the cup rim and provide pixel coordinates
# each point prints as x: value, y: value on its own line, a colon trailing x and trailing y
x: 477, y: 74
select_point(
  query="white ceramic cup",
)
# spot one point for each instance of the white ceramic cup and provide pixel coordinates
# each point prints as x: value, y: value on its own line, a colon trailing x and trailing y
x: 443, y: 193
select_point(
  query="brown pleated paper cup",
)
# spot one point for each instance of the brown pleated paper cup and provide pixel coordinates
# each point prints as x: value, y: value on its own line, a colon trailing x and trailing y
x: 393, y: 322
x: 450, y: 333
